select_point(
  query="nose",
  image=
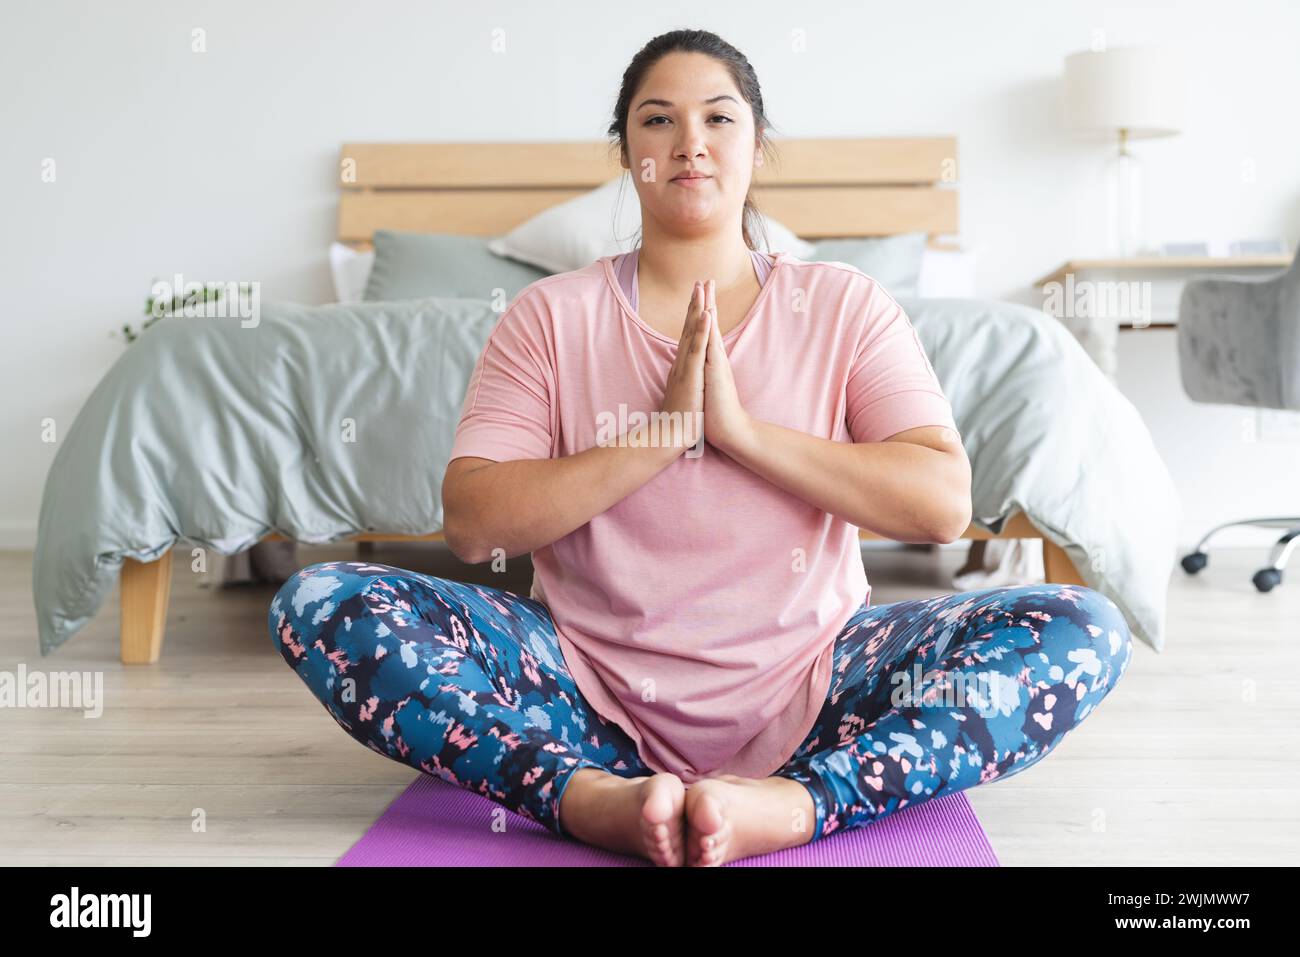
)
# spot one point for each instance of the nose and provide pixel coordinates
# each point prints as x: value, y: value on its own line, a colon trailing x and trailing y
x: 690, y: 143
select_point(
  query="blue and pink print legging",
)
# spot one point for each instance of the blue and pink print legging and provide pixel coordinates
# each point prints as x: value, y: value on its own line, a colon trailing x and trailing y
x: 928, y: 697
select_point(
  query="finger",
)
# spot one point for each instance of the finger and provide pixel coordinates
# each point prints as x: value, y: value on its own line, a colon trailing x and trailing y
x: 697, y: 303
x: 691, y: 329
x: 688, y: 327
x: 715, y: 336
x: 711, y: 303
x: 717, y: 349
x: 701, y: 341
x: 711, y: 306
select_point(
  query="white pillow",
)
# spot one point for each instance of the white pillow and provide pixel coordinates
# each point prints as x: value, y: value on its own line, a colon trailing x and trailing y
x: 576, y: 233
x: 946, y: 273
x: 350, y: 269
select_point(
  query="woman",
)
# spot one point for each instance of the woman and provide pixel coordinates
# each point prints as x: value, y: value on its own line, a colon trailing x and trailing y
x: 698, y: 674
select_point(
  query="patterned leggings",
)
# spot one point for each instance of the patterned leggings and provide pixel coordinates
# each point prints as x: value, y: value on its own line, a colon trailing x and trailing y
x: 928, y: 697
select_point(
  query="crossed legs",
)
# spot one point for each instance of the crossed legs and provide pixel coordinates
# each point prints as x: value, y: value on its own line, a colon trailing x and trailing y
x: 467, y: 682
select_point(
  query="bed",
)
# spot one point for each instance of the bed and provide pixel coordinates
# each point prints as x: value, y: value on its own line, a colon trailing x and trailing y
x: 1042, y: 466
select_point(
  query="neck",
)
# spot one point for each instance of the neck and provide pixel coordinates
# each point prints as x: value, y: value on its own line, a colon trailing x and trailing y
x: 676, y: 262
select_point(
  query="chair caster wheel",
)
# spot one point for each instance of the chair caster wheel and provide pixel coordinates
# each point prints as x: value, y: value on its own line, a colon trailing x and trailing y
x: 1266, y: 578
x: 1194, y: 562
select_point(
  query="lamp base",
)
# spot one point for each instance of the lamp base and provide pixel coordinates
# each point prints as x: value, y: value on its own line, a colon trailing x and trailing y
x: 1125, y: 228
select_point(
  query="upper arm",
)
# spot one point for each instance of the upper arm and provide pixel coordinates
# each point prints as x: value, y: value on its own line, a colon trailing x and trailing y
x: 941, y: 439
x: 892, y: 388
x: 457, y: 469
x: 509, y: 403
x: 452, y: 479
x: 894, y: 395
x: 948, y: 441
x: 937, y: 437
x: 461, y: 466
x: 507, y: 412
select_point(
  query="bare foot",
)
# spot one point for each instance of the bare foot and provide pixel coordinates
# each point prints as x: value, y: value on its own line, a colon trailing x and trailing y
x: 644, y: 816
x: 730, y: 817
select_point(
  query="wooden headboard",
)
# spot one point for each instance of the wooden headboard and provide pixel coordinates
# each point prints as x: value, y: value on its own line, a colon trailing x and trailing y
x: 817, y: 188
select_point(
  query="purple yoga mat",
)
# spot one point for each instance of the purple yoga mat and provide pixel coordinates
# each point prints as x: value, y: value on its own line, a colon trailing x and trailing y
x: 437, y: 824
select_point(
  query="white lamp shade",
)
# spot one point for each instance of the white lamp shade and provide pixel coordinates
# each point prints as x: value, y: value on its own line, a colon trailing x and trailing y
x: 1139, y: 89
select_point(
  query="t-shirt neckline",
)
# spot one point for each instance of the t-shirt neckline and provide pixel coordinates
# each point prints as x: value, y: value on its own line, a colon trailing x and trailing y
x: 779, y: 259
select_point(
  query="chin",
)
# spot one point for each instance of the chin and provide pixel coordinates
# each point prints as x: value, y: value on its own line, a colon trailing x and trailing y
x: 692, y: 212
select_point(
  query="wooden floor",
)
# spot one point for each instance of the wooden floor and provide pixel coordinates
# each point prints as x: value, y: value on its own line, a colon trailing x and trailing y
x: 1193, y: 759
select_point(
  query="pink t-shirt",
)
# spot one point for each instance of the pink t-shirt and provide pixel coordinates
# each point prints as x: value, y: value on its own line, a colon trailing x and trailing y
x: 625, y: 268
x: 700, y: 612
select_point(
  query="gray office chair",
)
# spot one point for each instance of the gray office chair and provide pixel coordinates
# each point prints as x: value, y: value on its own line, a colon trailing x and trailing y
x: 1239, y: 344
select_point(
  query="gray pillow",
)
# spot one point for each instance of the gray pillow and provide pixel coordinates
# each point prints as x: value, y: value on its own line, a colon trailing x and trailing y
x: 893, y: 261
x: 452, y: 265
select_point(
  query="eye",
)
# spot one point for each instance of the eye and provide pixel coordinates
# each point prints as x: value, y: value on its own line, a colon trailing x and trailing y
x: 715, y: 116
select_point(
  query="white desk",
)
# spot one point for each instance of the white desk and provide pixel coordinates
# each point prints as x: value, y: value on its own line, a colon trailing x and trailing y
x: 1096, y: 298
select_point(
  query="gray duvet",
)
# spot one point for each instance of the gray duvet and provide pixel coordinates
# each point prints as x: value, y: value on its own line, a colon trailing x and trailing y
x: 323, y: 421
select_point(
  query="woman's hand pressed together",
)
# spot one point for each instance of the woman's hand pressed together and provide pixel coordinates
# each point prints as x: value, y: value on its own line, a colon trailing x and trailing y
x: 684, y: 390
x: 727, y: 426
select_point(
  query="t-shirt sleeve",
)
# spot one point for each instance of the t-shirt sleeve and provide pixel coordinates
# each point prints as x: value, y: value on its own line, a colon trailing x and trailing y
x: 508, y: 405
x: 892, y: 387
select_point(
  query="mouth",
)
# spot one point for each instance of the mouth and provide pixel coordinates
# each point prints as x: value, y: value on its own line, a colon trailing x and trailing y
x: 689, y: 180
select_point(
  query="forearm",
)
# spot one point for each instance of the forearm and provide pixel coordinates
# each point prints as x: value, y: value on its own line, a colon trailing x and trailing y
x: 899, y: 490
x: 525, y: 504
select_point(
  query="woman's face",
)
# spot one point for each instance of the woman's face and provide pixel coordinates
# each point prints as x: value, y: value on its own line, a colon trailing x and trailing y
x: 697, y: 120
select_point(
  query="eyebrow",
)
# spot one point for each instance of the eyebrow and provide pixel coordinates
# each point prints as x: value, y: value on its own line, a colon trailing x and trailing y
x: 721, y: 96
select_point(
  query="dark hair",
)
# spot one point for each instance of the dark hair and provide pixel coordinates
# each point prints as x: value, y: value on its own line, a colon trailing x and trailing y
x: 742, y: 74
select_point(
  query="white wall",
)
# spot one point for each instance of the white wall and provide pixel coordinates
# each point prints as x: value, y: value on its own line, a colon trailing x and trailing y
x: 221, y: 164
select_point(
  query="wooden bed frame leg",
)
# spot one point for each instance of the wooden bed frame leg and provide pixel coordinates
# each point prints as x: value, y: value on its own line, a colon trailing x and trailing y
x: 1058, y: 568
x: 146, y: 588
